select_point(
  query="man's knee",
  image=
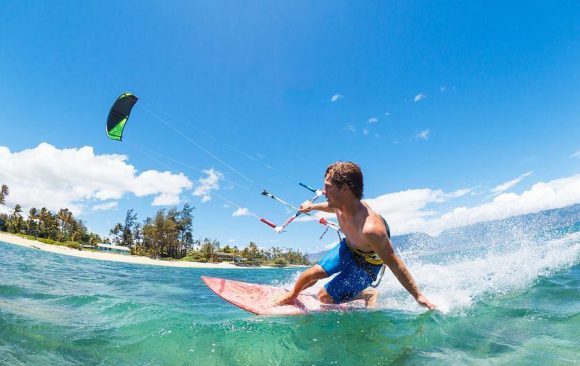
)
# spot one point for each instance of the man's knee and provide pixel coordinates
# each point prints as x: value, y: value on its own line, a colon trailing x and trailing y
x: 370, y: 296
x: 324, y: 297
x: 370, y: 293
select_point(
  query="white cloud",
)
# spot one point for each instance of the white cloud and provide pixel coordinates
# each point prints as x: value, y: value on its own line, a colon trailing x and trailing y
x: 5, y: 210
x: 373, y: 120
x: 365, y: 131
x: 443, y: 89
x: 458, y: 193
x: 415, y: 210
x: 336, y: 97
x: 423, y: 135
x: 166, y: 199
x: 557, y: 193
x: 576, y: 154
x: 351, y: 128
x: 509, y: 184
x: 407, y: 211
x: 387, y: 114
x: 167, y: 184
x: 420, y: 97
x: 46, y: 176
x: 106, y: 206
x: 207, y: 184
x: 242, y: 211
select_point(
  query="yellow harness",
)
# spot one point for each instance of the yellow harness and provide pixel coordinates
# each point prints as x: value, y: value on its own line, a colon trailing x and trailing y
x: 369, y: 257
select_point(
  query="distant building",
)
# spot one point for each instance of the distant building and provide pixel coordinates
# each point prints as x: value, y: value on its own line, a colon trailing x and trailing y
x: 118, y: 249
x: 228, y: 257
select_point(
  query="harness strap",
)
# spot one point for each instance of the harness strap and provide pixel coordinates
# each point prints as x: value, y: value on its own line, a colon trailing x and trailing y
x: 379, y: 278
x: 369, y: 257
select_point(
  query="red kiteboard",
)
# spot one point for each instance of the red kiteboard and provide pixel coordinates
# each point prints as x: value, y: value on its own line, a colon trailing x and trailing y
x: 259, y: 299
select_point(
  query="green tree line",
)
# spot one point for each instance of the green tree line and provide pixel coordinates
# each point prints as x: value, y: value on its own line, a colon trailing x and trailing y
x: 58, y: 227
x: 207, y: 250
x: 167, y: 235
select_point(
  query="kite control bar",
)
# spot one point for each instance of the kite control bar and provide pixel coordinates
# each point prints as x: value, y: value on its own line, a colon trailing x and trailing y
x: 280, y: 228
x: 268, y: 222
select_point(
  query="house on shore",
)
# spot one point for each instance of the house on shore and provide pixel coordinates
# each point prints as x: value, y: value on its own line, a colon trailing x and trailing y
x: 117, y: 249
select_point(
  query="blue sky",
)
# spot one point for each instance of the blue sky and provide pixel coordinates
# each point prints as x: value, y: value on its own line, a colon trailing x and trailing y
x: 457, y: 112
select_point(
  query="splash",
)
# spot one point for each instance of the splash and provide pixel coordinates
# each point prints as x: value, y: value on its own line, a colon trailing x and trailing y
x: 462, y: 279
x: 458, y: 270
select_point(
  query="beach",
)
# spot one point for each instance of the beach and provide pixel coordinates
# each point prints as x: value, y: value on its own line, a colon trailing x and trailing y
x: 112, y: 257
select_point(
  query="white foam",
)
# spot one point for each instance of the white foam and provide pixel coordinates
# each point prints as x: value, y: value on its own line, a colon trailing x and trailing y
x: 456, y: 284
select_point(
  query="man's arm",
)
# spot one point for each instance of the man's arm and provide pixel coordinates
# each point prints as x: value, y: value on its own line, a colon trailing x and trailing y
x: 377, y: 242
x: 308, y: 206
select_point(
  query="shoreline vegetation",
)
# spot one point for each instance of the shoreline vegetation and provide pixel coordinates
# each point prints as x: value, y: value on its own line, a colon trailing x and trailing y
x: 166, y: 239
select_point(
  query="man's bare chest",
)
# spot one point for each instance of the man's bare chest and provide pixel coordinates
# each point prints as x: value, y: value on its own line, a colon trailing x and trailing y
x: 354, y: 234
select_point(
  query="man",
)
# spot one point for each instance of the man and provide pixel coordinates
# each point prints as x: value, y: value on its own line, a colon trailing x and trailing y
x: 359, y: 257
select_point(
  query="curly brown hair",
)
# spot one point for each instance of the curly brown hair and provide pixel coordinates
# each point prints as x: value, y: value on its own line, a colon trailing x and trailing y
x: 346, y: 173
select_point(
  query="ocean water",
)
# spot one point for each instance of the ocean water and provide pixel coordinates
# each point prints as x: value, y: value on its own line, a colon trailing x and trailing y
x: 511, y: 301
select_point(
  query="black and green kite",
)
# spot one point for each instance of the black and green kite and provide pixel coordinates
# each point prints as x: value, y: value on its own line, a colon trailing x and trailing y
x: 119, y: 115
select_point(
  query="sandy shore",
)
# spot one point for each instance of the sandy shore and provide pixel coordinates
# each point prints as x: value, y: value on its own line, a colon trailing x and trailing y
x: 14, y: 239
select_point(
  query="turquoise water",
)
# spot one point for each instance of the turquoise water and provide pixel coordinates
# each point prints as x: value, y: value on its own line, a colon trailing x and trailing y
x: 517, y: 302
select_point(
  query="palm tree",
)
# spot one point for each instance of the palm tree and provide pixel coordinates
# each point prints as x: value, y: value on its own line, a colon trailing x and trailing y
x: 78, y: 230
x: 115, y: 232
x: 208, y: 248
x: 33, y: 213
x: 253, y: 251
x: 17, y: 210
x: 93, y: 239
x: 43, y: 216
x: 70, y: 223
x: 32, y: 219
x: 65, y: 217
x: 16, y: 221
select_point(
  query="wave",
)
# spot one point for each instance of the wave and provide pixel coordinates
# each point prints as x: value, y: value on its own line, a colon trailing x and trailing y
x: 462, y: 280
x: 456, y: 277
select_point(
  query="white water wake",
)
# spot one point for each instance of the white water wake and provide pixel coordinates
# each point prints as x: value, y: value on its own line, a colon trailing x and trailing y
x: 457, y: 285
x: 459, y: 281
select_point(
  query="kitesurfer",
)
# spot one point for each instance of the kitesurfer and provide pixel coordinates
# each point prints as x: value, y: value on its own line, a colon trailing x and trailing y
x: 359, y: 257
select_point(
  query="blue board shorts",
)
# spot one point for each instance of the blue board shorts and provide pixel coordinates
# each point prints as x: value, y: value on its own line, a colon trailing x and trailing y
x: 354, y: 274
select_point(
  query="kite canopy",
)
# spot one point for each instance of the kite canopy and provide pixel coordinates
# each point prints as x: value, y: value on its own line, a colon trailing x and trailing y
x: 119, y: 114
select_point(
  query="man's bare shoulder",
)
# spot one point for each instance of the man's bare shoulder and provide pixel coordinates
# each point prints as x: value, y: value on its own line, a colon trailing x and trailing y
x: 374, y: 226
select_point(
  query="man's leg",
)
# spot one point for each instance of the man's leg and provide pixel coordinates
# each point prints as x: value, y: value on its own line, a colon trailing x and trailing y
x: 351, y: 284
x: 324, y: 297
x: 370, y: 296
x: 306, y: 279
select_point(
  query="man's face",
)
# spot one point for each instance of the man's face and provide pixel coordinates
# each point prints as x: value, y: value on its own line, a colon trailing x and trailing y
x: 332, y: 192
